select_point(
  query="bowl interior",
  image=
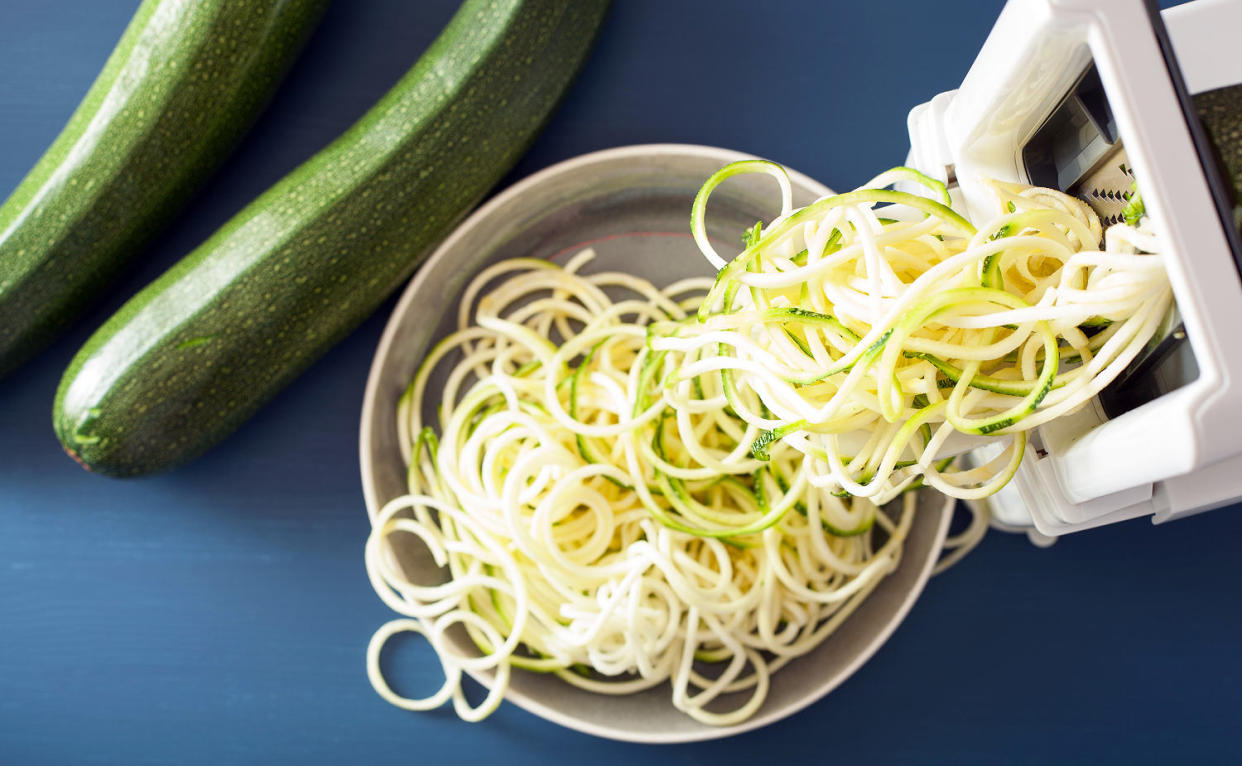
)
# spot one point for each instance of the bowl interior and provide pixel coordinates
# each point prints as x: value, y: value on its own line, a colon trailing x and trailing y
x: 632, y: 206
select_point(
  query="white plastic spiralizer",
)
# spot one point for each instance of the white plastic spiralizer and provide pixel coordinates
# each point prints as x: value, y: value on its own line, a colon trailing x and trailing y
x: 1089, y: 96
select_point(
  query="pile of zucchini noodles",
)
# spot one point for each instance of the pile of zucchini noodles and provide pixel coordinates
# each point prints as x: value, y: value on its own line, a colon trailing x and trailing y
x: 908, y: 325
x: 630, y: 485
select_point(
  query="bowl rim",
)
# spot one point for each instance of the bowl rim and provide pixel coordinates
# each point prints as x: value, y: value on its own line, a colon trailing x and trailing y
x: 417, y: 285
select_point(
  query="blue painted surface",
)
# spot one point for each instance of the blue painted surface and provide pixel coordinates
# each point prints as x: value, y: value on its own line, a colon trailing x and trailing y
x: 218, y: 614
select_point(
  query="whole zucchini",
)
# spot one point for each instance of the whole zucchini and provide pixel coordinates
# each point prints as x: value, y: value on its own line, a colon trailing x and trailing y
x: 198, y: 351
x: 182, y: 86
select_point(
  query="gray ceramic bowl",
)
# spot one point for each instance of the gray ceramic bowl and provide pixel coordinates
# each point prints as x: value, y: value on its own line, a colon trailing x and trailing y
x: 632, y: 205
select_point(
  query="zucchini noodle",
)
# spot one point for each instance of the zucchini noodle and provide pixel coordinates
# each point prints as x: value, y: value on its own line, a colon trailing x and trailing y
x: 871, y: 331
x: 592, y: 530
x: 627, y: 485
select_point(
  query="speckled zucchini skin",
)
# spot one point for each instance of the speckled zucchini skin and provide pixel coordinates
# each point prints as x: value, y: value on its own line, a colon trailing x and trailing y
x: 183, y: 85
x: 198, y: 351
x: 1220, y: 111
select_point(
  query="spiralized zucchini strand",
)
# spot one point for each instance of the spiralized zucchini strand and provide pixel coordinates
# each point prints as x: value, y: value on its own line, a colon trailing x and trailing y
x: 595, y: 524
x: 897, y: 311
x: 626, y: 485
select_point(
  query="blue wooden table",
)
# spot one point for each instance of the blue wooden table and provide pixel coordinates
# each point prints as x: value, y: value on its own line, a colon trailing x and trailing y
x: 219, y: 613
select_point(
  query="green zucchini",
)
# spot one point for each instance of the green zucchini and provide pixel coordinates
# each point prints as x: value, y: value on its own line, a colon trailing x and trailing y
x: 199, y: 350
x: 182, y: 86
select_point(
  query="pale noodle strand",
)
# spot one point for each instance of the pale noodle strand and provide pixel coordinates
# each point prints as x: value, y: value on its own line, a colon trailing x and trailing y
x: 581, y: 510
